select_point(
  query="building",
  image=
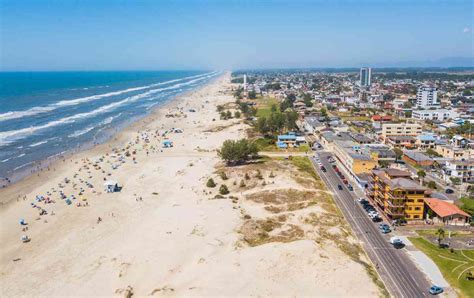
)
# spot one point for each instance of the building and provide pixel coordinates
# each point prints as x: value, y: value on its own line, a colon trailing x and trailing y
x: 379, y: 152
x: 427, y: 97
x: 397, y: 194
x: 417, y: 158
x: 399, y: 129
x: 451, y: 152
x: 401, y: 142
x: 365, y: 77
x: 425, y: 141
x: 436, y: 115
x: 290, y: 140
x: 443, y: 212
x: 462, y: 169
x: 351, y: 157
x: 313, y: 125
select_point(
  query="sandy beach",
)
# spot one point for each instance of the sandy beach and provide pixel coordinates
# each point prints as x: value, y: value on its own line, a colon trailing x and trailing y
x: 163, y: 233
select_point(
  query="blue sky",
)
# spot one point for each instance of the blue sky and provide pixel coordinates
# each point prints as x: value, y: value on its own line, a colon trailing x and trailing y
x: 122, y: 35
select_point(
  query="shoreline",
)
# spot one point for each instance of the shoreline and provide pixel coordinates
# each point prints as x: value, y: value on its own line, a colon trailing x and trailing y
x: 112, y: 140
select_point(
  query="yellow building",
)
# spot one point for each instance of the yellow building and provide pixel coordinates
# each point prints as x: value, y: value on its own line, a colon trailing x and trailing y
x: 350, y: 156
x: 397, y: 194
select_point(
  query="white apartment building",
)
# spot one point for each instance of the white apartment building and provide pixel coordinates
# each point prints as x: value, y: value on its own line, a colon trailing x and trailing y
x: 462, y: 169
x: 427, y: 97
x: 438, y: 114
x: 400, y: 129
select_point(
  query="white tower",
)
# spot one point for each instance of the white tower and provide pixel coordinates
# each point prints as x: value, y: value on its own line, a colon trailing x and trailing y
x: 245, y: 82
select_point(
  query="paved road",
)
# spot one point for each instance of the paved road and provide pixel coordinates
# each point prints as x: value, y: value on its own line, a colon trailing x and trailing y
x: 399, y: 273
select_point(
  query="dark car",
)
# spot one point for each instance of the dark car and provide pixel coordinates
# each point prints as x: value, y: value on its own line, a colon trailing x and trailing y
x: 449, y: 190
x: 435, y: 290
x: 339, y: 187
x: 350, y: 187
x: 376, y: 219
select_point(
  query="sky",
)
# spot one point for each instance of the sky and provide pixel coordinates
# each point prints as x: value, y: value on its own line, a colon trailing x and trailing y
x: 159, y: 35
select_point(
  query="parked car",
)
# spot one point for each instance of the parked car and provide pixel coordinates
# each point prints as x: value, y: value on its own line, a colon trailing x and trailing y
x: 376, y: 219
x: 361, y: 200
x: 350, y: 187
x: 449, y: 190
x: 384, y: 226
x: 339, y: 187
x: 435, y: 290
x: 386, y: 231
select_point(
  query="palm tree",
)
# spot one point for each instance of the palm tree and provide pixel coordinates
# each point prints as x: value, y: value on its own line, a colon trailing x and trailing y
x: 440, y: 233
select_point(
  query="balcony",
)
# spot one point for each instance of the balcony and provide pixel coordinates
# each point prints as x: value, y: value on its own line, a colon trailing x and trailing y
x: 395, y: 212
x: 396, y: 204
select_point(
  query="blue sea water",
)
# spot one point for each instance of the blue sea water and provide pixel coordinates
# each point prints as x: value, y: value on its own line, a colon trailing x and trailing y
x: 46, y: 114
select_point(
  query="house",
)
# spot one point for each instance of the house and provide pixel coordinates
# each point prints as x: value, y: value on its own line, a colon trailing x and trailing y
x: 290, y: 140
x: 400, y: 129
x: 425, y: 141
x: 444, y: 212
x: 417, y: 158
x: 313, y: 125
x: 450, y: 152
x: 408, y: 142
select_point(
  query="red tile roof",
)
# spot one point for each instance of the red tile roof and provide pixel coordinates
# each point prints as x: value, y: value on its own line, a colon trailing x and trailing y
x: 382, y: 118
x: 443, y: 208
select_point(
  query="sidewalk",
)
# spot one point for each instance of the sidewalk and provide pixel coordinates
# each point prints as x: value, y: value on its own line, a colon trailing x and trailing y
x: 425, y: 264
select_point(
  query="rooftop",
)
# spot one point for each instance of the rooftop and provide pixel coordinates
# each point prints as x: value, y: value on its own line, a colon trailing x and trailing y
x: 443, y: 208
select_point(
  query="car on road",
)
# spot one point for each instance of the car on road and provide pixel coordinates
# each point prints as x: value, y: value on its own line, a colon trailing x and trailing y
x: 435, y: 290
x: 386, y: 230
x: 361, y: 200
x: 397, y: 242
x: 350, y: 187
x: 384, y: 226
x: 449, y: 190
x: 339, y: 187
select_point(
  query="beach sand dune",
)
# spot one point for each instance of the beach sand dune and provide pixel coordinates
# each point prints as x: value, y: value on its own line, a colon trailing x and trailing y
x: 162, y: 234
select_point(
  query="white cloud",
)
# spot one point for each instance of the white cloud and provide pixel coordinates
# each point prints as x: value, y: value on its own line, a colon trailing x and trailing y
x: 466, y: 30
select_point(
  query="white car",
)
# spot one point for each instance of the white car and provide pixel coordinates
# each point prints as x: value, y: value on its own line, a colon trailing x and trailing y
x: 373, y: 214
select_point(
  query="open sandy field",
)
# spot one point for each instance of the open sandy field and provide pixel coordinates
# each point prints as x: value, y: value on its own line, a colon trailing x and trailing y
x: 165, y: 232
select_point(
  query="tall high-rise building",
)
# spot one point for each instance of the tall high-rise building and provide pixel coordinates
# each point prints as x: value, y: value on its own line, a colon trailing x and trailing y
x: 426, y: 97
x: 245, y: 82
x: 365, y: 76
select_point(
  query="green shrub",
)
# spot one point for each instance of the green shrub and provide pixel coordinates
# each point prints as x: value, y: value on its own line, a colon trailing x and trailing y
x: 223, y: 190
x: 210, y: 183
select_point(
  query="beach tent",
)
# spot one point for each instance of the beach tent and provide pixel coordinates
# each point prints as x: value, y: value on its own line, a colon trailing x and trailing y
x: 111, y: 186
x: 167, y: 144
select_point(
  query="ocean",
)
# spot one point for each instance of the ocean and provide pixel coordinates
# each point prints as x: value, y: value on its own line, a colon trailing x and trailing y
x: 48, y: 114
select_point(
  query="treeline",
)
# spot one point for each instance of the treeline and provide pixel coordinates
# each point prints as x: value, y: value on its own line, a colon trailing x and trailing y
x: 277, y: 122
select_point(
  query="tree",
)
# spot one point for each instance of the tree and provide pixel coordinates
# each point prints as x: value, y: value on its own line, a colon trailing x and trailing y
x: 237, y: 114
x: 223, y: 115
x: 262, y: 125
x: 455, y: 180
x: 432, y: 185
x: 252, y: 94
x: 235, y: 152
x: 421, y: 174
x: 398, y: 153
x: 228, y: 115
x: 210, y: 183
x: 274, y: 108
x: 220, y: 108
x: 291, y: 117
x: 223, y: 190
x: 431, y: 152
x: 324, y: 113
x: 307, y: 100
x: 440, y: 232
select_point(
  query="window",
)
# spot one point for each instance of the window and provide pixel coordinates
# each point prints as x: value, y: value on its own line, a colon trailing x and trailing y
x: 420, y: 200
x: 410, y: 200
x: 416, y: 216
x: 417, y: 208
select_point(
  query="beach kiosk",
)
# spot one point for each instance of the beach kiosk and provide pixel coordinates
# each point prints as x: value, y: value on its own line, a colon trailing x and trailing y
x: 111, y: 186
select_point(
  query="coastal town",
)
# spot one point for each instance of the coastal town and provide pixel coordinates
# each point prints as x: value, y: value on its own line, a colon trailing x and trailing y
x: 396, y: 145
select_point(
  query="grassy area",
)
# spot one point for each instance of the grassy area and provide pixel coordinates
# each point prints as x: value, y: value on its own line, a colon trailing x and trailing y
x: 304, y: 164
x: 453, y: 265
x: 264, y: 106
x: 467, y: 205
x: 266, y: 144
